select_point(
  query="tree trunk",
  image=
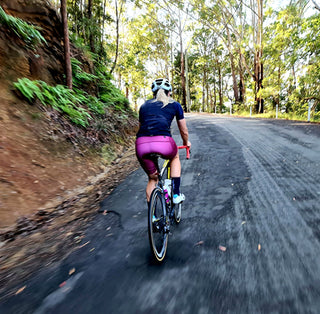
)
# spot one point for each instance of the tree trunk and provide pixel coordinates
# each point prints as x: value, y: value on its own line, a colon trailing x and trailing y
x: 68, y: 70
x: 187, y: 83
x: 183, y: 78
x: 214, y: 95
x: 258, y: 61
x: 242, y: 87
x: 207, y: 91
x: 203, y: 89
x: 103, y: 21
x: 279, y: 84
x: 233, y: 72
x: 220, y: 89
x: 118, y: 35
x: 91, y: 38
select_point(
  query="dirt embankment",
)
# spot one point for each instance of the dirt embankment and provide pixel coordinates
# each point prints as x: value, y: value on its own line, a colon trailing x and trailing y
x: 44, y: 159
x: 52, y: 173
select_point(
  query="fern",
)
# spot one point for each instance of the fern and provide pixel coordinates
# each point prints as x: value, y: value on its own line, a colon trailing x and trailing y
x: 26, y: 88
x: 76, y: 104
x: 80, y: 77
x: 28, y: 33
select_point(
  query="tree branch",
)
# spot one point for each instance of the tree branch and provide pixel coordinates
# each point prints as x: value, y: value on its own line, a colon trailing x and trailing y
x: 316, y: 5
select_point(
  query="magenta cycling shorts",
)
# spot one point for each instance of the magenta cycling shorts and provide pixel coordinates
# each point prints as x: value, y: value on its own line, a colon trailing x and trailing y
x: 161, y: 145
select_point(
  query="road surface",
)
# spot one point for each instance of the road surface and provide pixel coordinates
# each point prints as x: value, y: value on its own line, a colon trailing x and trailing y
x: 248, y: 241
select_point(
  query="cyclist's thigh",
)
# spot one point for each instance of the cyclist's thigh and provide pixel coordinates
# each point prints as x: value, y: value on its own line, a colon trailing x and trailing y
x: 144, y: 153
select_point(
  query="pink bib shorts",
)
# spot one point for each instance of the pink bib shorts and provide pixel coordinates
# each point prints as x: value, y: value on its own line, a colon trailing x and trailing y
x: 164, y: 146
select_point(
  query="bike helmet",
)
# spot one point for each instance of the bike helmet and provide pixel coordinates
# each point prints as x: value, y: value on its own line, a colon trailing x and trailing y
x: 161, y: 83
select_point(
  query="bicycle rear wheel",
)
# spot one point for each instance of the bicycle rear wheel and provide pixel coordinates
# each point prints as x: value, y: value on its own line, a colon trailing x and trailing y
x: 158, y: 228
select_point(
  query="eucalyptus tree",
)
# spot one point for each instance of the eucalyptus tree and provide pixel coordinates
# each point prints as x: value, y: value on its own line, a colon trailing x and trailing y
x: 178, y: 16
x: 307, y: 91
x: 119, y: 9
x: 68, y: 70
x: 87, y: 24
x: 283, y: 53
x: 209, y: 59
x: 173, y: 17
x: 241, y: 37
x: 144, y: 52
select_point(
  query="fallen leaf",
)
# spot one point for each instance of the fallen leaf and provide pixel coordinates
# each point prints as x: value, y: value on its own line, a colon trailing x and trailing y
x: 62, y: 284
x: 259, y: 247
x: 222, y: 248
x: 71, y: 271
x: 84, y: 244
x: 20, y: 290
x: 199, y: 243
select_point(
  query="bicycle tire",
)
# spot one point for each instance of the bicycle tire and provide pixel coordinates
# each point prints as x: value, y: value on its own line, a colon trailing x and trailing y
x: 157, y: 225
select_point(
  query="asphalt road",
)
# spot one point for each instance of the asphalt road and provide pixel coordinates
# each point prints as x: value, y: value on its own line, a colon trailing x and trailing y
x: 248, y: 241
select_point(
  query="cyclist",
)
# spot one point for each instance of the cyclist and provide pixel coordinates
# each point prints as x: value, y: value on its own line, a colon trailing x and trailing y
x: 154, y: 136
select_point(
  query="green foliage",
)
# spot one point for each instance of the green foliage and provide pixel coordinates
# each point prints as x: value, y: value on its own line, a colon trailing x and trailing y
x: 80, y: 77
x: 28, y: 33
x: 76, y: 104
x: 85, y: 32
x: 109, y: 94
x: 59, y: 97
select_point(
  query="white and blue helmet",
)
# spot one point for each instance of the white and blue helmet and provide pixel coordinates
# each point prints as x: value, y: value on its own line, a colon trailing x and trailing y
x: 161, y: 83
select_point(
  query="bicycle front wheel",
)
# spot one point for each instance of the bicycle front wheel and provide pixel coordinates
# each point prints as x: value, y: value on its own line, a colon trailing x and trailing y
x: 158, y: 227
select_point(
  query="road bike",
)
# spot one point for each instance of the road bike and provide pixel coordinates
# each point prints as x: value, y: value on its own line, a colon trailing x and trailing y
x: 162, y: 211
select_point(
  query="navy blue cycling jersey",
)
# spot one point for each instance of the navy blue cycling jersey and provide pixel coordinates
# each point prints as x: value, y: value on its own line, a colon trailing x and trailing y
x: 156, y: 119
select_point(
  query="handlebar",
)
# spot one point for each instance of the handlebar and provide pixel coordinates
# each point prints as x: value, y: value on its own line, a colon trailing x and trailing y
x: 187, y: 149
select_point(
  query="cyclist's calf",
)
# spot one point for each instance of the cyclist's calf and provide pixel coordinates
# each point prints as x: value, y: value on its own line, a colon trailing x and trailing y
x: 175, y: 167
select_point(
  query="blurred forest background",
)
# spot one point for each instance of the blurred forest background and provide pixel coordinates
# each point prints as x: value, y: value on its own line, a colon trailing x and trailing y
x: 248, y: 53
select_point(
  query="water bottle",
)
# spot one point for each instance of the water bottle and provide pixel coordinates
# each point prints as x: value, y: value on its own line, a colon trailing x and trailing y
x: 166, y: 195
x: 167, y: 184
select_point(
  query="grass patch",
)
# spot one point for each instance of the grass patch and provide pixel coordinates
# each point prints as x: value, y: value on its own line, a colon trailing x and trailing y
x: 315, y: 117
x: 108, y: 153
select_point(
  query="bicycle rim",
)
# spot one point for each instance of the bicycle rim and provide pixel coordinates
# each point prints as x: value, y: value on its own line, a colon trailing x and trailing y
x: 157, y: 223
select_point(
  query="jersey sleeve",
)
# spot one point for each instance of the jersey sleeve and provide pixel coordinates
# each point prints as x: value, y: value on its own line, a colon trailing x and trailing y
x: 141, y: 114
x: 179, y: 111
